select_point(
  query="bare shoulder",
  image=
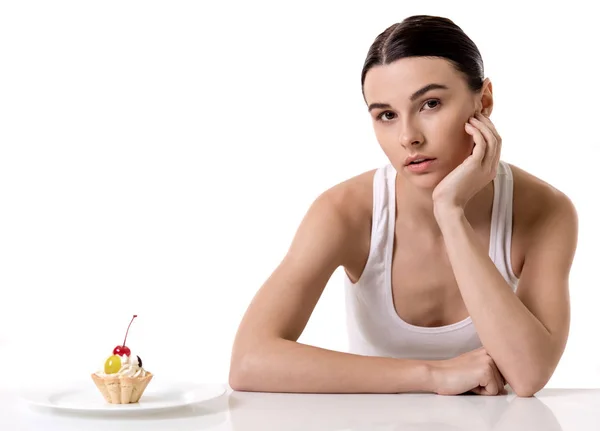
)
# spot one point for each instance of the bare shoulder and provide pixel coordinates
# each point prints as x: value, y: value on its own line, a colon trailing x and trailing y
x: 352, y: 202
x: 537, y: 203
x: 352, y: 199
x: 341, y: 212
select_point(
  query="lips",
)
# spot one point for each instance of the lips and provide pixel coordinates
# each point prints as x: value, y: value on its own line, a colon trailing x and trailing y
x: 418, y: 161
x: 420, y: 167
x: 417, y: 158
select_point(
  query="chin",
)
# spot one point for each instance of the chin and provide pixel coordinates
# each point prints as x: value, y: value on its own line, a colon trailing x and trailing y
x: 428, y: 181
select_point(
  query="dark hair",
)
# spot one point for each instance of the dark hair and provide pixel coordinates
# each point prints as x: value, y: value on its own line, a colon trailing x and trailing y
x: 427, y: 36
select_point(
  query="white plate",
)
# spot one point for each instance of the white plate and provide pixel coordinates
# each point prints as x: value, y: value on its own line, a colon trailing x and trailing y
x: 87, y: 398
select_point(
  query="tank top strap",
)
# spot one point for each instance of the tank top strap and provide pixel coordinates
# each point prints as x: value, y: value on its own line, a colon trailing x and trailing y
x: 502, y: 222
x: 383, y: 213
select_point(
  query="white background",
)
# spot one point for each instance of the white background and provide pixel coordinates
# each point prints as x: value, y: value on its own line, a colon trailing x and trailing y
x: 157, y: 157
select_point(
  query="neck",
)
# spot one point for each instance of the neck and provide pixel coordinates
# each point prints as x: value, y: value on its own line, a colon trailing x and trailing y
x: 415, y: 207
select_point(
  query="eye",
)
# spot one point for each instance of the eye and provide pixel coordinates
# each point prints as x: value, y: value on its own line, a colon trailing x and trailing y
x: 386, y: 116
x: 428, y: 103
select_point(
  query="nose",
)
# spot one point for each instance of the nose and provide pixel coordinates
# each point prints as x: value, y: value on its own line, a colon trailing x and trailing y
x: 410, y: 135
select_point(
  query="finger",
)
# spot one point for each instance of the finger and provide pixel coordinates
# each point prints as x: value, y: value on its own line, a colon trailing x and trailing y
x: 477, y: 391
x: 480, y: 144
x: 484, y: 391
x: 492, y: 387
x: 498, y: 378
x: 481, y: 391
x: 489, y: 383
x: 490, y: 125
x: 488, y: 122
x: 496, y: 372
x: 490, y: 138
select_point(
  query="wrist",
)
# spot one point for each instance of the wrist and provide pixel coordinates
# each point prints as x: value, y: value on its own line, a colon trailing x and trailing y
x: 447, y: 213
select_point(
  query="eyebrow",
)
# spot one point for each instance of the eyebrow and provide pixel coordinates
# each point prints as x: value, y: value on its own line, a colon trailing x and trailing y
x: 413, y: 97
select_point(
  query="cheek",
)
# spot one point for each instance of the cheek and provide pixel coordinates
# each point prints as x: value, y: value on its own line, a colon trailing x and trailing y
x: 450, y: 125
x: 451, y: 129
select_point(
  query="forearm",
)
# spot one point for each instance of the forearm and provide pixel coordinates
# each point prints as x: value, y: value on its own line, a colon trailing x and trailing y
x: 287, y: 366
x: 516, y: 340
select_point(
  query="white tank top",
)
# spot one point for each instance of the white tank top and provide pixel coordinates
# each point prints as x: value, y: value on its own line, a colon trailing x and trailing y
x: 374, y: 327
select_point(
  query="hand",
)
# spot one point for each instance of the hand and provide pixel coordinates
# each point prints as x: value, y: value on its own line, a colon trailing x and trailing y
x: 472, y: 175
x: 474, y: 371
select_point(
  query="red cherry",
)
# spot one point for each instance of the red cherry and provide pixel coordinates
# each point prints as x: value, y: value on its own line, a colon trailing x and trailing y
x: 123, y: 350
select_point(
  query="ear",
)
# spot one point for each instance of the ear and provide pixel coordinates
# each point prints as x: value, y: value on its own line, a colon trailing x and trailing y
x: 486, y: 102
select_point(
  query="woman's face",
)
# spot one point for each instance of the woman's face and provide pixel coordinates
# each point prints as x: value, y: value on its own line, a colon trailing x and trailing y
x: 419, y: 106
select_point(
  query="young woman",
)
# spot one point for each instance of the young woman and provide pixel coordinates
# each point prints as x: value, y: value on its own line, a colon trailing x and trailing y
x: 456, y: 262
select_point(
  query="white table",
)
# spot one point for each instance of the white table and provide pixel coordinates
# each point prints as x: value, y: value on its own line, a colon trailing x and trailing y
x: 549, y: 410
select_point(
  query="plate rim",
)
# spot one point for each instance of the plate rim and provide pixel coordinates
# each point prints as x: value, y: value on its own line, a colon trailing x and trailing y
x: 40, y: 398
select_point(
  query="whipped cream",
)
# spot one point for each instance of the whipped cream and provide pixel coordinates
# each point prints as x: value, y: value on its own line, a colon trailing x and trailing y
x: 130, y: 367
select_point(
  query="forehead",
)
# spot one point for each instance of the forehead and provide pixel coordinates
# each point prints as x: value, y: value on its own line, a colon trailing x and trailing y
x: 398, y: 80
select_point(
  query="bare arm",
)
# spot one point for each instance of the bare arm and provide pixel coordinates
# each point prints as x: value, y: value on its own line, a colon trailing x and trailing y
x: 526, y: 333
x: 266, y: 356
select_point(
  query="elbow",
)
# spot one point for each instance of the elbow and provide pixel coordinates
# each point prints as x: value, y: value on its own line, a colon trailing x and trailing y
x: 249, y: 369
x: 533, y: 379
x: 235, y: 378
x: 242, y: 375
x: 238, y: 375
x: 528, y: 387
x: 530, y: 376
x: 525, y: 391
